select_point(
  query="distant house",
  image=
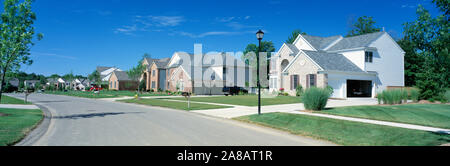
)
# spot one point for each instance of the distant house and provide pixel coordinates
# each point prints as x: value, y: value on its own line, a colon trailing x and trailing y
x: 14, y: 82
x: 209, y: 78
x: 31, y: 83
x: 119, y: 80
x: 106, y: 72
x: 56, y: 82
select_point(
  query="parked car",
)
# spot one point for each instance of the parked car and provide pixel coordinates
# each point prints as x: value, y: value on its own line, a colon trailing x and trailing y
x: 233, y: 90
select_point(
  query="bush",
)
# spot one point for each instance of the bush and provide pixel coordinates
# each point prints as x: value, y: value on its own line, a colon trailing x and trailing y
x: 447, y: 95
x: 299, y: 90
x: 414, y: 95
x: 395, y: 96
x: 330, y: 90
x: 315, y: 98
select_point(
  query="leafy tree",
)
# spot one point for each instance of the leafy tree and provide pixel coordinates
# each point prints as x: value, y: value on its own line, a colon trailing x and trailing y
x: 294, y: 36
x: 250, y: 58
x: 413, y: 62
x: 55, y: 76
x: 95, y: 77
x: 364, y: 25
x: 16, y: 35
x: 136, y: 72
x: 430, y: 38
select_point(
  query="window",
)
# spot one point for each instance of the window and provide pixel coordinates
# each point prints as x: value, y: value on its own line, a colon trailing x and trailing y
x: 369, y: 57
x: 153, y: 84
x: 115, y: 84
x: 312, y: 80
x: 294, y: 81
x: 153, y: 73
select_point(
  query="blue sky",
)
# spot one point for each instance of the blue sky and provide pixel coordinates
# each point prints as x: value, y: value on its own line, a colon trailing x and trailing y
x: 80, y: 35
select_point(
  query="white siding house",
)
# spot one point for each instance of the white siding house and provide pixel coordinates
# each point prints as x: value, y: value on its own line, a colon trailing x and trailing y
x: 359, y: 66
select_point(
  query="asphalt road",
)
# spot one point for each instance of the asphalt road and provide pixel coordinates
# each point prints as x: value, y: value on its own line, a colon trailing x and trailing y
x: 78, y: 121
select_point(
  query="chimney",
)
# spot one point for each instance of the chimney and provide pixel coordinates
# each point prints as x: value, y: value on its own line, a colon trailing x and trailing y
x: 383, y: 30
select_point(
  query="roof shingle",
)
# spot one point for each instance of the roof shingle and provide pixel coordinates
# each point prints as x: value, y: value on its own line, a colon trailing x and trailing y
x: 332, y: 61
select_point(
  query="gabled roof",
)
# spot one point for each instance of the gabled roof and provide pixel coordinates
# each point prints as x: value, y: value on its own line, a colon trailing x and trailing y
x: 332, y: 61
x: 122, y: 76
x: 320, y: 43
x: 356, y: 41
x: 161, y: 63
x: 102, y: 68
x: 292, y: 48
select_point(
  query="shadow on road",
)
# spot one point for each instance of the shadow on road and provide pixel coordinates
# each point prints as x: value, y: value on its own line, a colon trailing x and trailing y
x: 92, y: 115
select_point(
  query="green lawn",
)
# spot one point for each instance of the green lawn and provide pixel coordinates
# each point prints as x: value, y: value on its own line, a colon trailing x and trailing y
x: 173, y: 104
x: 435, y: 115
x: 16, y: 123
x: 246, y: 100
x: 12, y: 100
x: 102, y: 94
x: 347, y: 132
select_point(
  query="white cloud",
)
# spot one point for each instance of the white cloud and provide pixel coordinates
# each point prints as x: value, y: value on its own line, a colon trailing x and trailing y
x: 150, y: 23
x: 161, y: 21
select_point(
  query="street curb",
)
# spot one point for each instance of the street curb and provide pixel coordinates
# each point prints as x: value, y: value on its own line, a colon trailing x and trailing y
x: 32, y: 137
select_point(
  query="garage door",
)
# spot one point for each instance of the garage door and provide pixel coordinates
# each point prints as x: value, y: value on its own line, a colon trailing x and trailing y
x: 359, y: 88
x: 337, y: 87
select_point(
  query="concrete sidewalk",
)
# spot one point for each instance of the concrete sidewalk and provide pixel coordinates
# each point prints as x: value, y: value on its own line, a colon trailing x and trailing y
x: 238, y: 111
x: 17, y: 106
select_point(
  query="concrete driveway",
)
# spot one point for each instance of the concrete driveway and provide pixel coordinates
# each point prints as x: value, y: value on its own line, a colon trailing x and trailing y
x: 79, y: 121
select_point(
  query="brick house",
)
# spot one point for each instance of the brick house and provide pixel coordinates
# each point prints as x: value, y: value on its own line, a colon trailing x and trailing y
x: 119, y: 80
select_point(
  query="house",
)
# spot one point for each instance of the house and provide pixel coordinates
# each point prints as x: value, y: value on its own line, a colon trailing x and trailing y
x: 155, y: 74
x: 106, y: 72
x: 14, y: 82
x: 207, y: 77
x: 86, y: 83
x: 80, y: 84
x: 119, y: 80
x: 57, y: 83
x: 359, y: 66
x: 30, y: 83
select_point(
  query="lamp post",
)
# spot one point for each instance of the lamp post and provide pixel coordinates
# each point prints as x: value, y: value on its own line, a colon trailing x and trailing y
x: 259, y: 36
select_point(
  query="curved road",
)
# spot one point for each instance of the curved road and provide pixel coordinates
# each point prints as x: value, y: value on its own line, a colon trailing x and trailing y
x: 79, y: 121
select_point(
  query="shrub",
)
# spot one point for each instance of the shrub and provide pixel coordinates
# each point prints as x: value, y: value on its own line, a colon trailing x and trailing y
x: 315, y: 98
x: 330, y: 90
x: 395, y: 96
x: 414, y: 95
x: 299, y: 90
x: 404, y: 96
x: 447, y: 95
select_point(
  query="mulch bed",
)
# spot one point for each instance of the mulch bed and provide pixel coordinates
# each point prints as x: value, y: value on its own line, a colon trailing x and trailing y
x: 2, y: 114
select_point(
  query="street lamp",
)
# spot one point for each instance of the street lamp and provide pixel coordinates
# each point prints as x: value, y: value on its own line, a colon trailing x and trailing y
x: 259, y: 36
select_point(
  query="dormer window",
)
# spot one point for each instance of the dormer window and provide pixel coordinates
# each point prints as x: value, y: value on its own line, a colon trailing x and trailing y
x: 369, y: 57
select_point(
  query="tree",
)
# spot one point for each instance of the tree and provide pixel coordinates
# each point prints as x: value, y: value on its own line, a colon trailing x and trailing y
x: 294, y: 36
x: 95, y: 77
x: 430, y: 39
x: 136, y: 72
x: 413, y: 62
x: 16, y: 35
x: 250, y: 58
x: 364, y: 25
